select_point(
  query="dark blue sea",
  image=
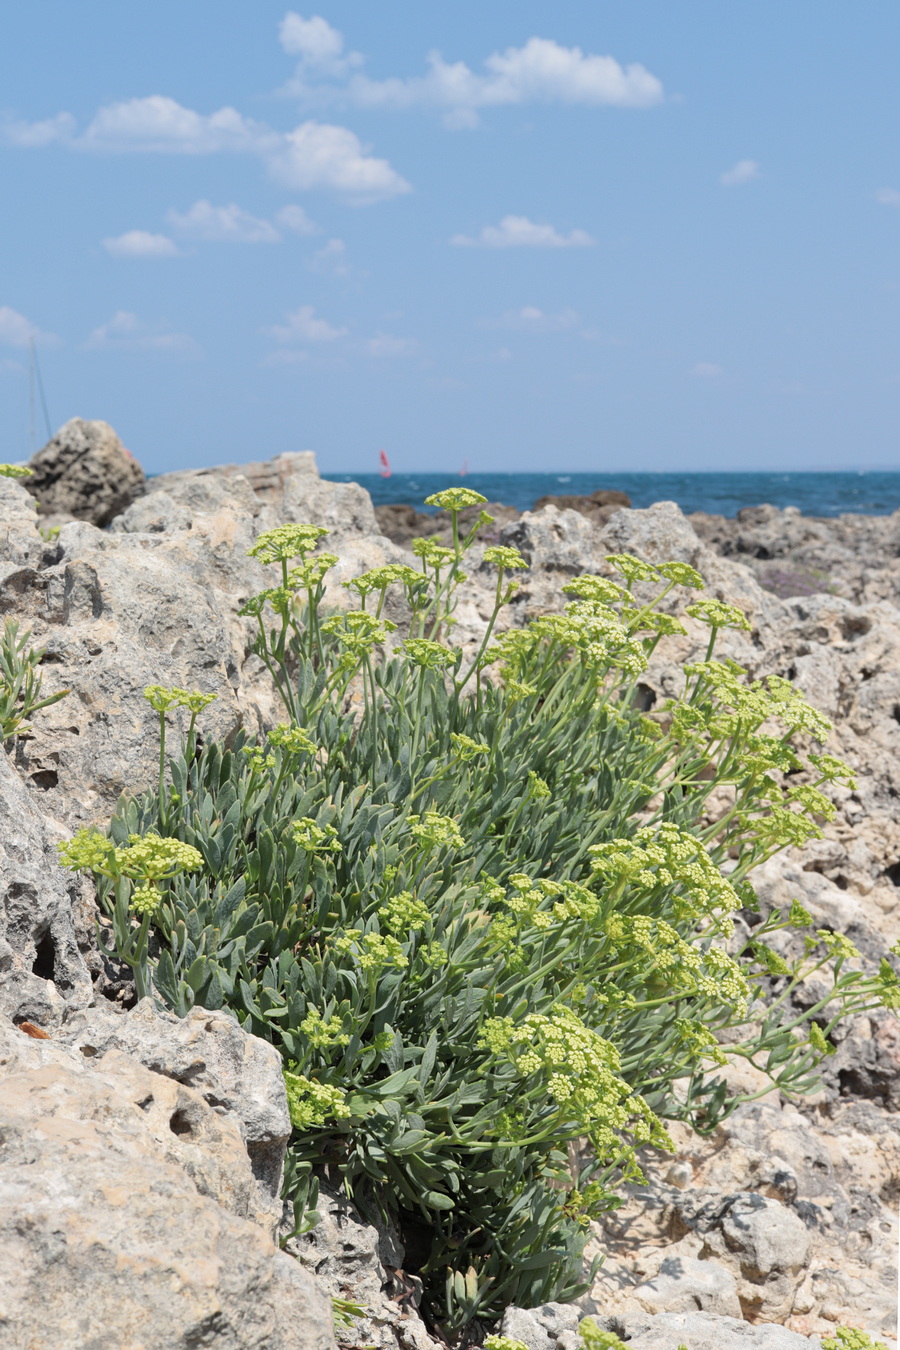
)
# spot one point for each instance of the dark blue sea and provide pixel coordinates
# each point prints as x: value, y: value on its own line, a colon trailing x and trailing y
x: 816, y: 494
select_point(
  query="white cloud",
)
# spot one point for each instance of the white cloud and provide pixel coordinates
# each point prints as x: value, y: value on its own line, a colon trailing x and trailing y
x: 316, y: 43
x: 317, y: 155
x: 384, y: 344
x: 314, y: 155
x: 125, y: 332
x: 888, y: 196
x: 542, y: 71
x: 141, y: 244
x: 743, y: 172
x: 331, y: 260
x: 17, y: 331
x: 34, y: 135
x: 520, y: 232
x: 160, y: 125
x: 531, y: 319
x: 303, y: 326
x: 706, y: 370
x: 228, y: 224
x: 219, y: 224
x: 295, y: 219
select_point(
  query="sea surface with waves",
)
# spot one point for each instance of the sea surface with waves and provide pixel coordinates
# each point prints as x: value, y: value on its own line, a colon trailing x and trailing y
x: 816, y: 494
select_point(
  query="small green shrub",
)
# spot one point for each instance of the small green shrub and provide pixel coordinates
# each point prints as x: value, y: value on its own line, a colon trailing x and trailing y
x: 847, y: 1338
x: 345, y: 1312
x: 20, y: 681
x: 483, y: 916
x: 594, y: 1339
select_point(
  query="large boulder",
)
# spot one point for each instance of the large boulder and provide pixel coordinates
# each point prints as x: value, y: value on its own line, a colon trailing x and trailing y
x: 551, y: 540
x: 126, y: 1203
x: 84, y: 473
x: 154, y: 600
x: 275, y: 492
x: 118, y: 612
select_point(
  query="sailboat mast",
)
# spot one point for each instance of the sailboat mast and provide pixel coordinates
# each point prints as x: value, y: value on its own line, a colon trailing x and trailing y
x: 32, y: 447
x: 35, y: 386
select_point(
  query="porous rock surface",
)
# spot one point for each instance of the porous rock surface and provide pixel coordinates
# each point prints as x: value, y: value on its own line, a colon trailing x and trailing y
x: 128, y: 1210
x: 84, y: 472
x: 767, y: 1234
x: 856, y: 556
x: 554, y: 1326
x: 43, y: 973
x: 236, y: 1074
x: 154, y: 600
x: 704, y: 1331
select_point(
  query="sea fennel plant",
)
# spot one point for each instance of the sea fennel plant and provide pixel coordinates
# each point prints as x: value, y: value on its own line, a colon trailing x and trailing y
x: 481, y: 903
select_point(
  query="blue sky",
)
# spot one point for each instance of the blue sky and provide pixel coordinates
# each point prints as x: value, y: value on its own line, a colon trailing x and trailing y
x: 579, y: 236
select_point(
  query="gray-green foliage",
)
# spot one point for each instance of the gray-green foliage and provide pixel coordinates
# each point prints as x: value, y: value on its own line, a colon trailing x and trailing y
x: 20, y: 681
x: 849, y: 1338
x: 481, y: 918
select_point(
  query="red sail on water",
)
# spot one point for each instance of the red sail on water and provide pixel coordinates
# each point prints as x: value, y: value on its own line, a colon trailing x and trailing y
x: 385, y: 464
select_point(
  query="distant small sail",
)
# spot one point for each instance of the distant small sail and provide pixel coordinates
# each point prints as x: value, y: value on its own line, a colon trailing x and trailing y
x: 385, y: 464
x: 465, y: 468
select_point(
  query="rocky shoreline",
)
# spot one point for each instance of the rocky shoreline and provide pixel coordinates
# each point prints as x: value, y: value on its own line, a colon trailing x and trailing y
x: 140, y: 1157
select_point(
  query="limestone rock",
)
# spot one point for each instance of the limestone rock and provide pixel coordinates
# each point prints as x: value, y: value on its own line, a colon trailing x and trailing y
x: 279, y: 491
x: 206, y: 1143
x: 661, y: 533
x: 551, y: 540
x: 174, y: 500
x: 363, y: 1261
x: 237, y: 1074
x: 343, y: 508
x: 795, y: 555
x: 115, y: 613
x: 682, y: 1283
x: 84, y: 472
x: 788, y: 1204
x: 770, y: 1244
x: 155, y: 601
x: 20, y: 540
x: 704, y: 1331
x: 520, y: 1324
x: 121, y: 1202
x: 558, y: 1318
x: 42, y: 971
x: 597, y: 506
